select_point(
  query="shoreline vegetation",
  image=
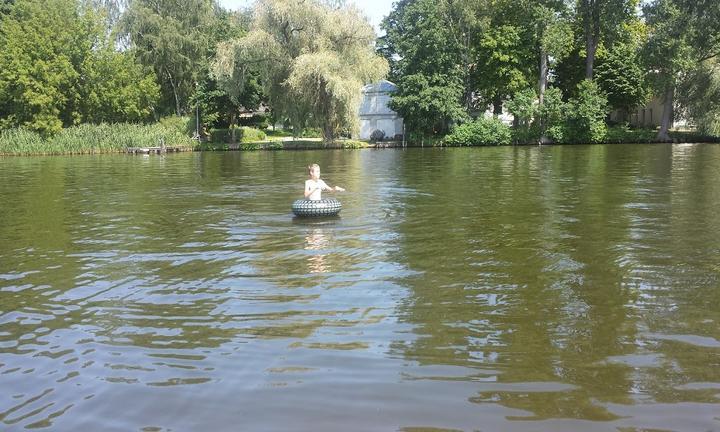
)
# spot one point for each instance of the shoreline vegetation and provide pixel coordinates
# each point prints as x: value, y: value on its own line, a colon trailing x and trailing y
x: 174, y: 132
x: 79, y: 77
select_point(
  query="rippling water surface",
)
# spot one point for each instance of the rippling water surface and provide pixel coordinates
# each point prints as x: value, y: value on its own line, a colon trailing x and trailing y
x: 492, y: 289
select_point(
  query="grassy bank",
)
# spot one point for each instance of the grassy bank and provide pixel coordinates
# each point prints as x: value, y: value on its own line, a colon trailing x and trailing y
x: 300, y: 144
x: 102, y: 138
x: 173, y: 132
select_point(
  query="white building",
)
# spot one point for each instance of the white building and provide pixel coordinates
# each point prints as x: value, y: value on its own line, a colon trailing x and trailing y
x: 375, y: 113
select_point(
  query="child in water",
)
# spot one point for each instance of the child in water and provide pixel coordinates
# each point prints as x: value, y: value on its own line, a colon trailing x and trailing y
x: 314, y: 186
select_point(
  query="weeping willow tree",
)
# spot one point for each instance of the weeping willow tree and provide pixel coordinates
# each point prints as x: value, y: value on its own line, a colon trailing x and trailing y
x: 699, y: 96
x: 312, y: 59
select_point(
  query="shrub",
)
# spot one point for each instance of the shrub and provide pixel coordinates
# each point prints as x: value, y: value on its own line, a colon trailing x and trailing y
x: 586, y: 119
x: 311, y: 133
x: 250, y: 135
x: 624, y: 134
x: 377, y: 135
x: 100, y: 138
x: 524, y: 107
x: 482, y: 131
x: 553, y: 115
x: 557, y: 133
x: 243, y: 134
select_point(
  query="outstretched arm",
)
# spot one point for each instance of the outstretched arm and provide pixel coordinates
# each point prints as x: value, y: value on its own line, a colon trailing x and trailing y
x: 332, y: 189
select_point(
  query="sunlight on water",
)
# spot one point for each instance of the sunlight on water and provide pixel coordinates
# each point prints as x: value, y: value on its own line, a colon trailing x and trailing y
x: 494, y: 289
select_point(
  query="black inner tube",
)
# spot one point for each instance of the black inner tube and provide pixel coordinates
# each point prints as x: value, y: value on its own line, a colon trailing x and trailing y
x: 323, y: 207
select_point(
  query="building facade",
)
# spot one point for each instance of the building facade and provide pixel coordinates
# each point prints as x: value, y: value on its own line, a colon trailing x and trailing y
x: 375, y: 114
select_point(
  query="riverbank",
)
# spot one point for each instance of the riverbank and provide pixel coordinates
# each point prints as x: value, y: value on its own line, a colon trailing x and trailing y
x: 171, y: 133
x: 101, y: 138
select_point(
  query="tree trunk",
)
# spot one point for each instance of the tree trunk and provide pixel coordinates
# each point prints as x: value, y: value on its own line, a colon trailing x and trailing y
x: 328, y: 134
x: 591, y: 48
x: 667, y: 114
x: 591, y: 27
x: 497, y: 106
x: 232, y: 126
x: 542, y: 82
x: 175, y: 93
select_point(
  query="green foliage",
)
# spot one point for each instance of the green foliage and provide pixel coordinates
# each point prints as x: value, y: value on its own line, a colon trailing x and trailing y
x: 250, y: 134
x: 5, y: 6
x: 625, y: 134
x: 557, y: 37
x: 429, y: 45
x: 117, y: 89
x: 602, y: 21
x: 311, y: 133
x: 102, y: 138
x: 553, y: 115
x: 524, y: 108
x: 220, y: 100
x: 58, y: 68
x: 669, y: 49
x: 311, y: 59
x: 700, y: 97
x: 172, y: 37
x: 428, y: 104
x: 480, y: 132
x: 503, y: 69
x: 243, y: 134
x: 421, y: 39
x: 622, y: 77
x: 587, y: 112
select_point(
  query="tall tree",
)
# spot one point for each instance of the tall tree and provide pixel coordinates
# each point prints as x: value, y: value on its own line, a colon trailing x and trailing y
x: 220, y: 100
x: 430, y: 47
x: 669, y: 51
x: 58, y: 67
x: 699, y: 96
x: 620, y: 73
x: 171, y: 36
x: 311, y: 59
x: 683, y: 35
x: 601, y: 19
x: 554, y: 37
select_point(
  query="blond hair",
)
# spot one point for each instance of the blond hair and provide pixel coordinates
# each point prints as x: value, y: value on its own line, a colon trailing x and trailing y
x: 310, y: 168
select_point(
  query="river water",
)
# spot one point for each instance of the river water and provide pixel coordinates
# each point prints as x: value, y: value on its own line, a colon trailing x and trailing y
x: 491, y: 289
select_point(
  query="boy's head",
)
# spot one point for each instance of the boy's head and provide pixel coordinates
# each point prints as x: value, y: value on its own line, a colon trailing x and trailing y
x: 314, y: 171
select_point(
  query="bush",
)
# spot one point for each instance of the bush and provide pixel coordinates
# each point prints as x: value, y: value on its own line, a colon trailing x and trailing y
x: 101, y: 138
x: 557, y: 133
x: 377, y: 135
x: 243, y: 134
x: 524, y: 107
x: 587, y: 112
x: 311, y: 133
x: 624, y: 134
x: 483, y: 131
x: 250, y: 135
x: 553, y: 115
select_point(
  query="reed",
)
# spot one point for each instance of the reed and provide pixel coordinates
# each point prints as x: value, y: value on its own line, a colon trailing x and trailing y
x: 101, y: 138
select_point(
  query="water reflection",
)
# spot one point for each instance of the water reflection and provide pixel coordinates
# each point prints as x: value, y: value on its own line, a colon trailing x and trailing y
x: 318, y: 241
x: 554, y: 288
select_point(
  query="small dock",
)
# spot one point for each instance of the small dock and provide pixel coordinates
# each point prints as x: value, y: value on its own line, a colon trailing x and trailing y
x: 154, y: 150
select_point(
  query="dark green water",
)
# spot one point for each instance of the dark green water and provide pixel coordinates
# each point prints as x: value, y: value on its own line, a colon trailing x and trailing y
x: 491, y: 289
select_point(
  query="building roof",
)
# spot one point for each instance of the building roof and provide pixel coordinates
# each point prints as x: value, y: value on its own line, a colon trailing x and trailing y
x: 382, y: 86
